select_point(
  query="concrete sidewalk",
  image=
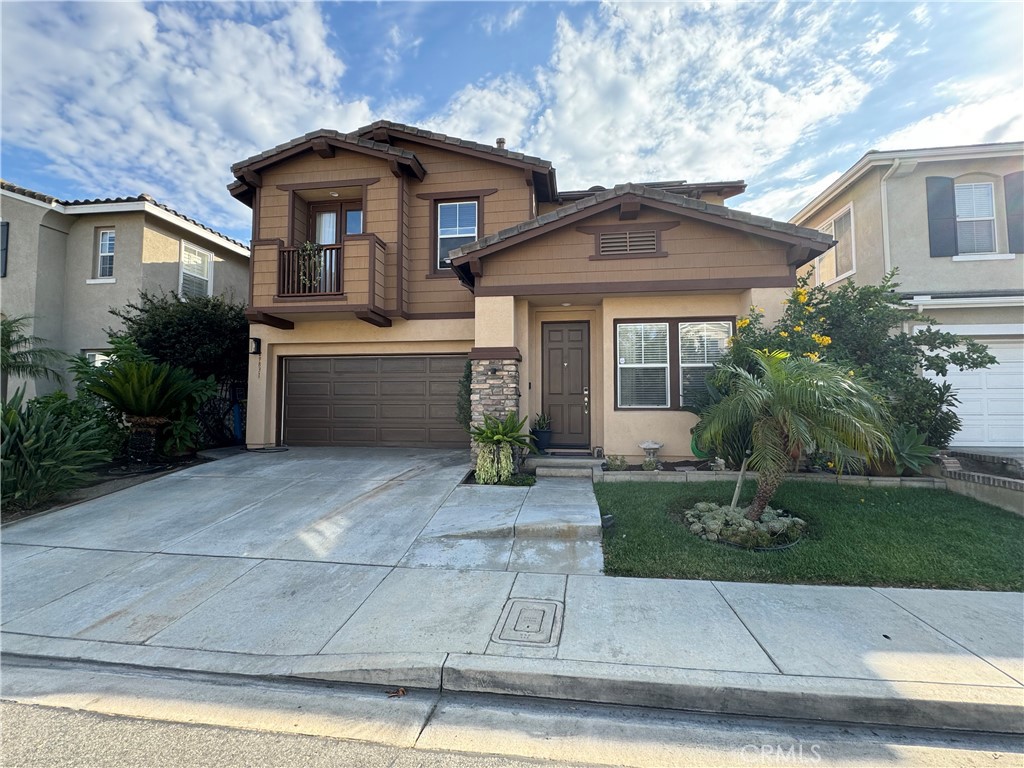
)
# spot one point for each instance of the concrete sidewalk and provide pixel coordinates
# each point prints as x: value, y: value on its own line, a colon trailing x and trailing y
x: 275, y: 591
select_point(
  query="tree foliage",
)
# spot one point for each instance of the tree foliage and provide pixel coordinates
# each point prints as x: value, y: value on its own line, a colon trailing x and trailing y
x: 25, y: 356
x: 863, y: 329
x: 207, y: 336
x: 789, y: 405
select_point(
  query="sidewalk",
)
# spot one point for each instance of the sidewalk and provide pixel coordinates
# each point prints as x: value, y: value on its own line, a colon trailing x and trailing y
x: 940, y: 659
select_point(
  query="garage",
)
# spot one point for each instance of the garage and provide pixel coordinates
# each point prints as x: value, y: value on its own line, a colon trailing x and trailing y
x: 372, y: 401
x: 992, y: 399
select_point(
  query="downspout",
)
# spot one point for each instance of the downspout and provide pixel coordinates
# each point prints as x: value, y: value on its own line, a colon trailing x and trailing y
x: 886, y: 255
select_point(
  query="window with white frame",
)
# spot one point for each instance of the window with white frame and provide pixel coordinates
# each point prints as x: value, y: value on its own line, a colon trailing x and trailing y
x: 701, y: 345
x: 105, y: 242
x: 838, y: 261
x: 456, y: 226
x: 196, y: 267
x: 96, y: 358
x: 975, y: 218
x: 643, y: 368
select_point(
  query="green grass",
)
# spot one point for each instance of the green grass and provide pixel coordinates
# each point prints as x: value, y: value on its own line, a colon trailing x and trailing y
x: 909, y: 537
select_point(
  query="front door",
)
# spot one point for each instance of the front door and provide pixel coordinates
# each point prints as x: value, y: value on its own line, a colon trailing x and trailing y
x: 566, y: 377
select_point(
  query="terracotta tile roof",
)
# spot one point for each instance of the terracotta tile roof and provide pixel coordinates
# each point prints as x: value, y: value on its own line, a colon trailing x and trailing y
x: 453, y: 140
x: 143, y: 198
x: 649, y: 193
x: 325, y: 133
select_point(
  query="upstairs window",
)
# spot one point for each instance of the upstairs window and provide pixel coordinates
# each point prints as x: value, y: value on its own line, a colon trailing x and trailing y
x: 105, y: 242
x: 196, y: 267
x: 838, y: 261
x: 627, y: 243
x: 975, y: 218
x: 456, y: 226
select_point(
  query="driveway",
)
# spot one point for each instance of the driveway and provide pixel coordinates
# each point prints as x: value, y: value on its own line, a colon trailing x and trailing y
x: 273, y: 552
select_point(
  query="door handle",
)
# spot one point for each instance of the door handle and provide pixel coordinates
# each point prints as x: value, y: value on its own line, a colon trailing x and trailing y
x: 586, y: 401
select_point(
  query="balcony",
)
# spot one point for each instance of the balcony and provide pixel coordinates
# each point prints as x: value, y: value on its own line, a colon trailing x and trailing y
x: 291, y: 284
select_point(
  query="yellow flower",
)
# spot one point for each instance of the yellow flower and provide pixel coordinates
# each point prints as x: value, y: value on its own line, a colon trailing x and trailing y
x: 743, y: 322
x: 808, y: 310
x: 783, y: 334
x: 830, y: 465
x: 849, y: 373
x: 822, y: 319
x: 801, y: 295
x: 759, y: 309
x: 822, y: 340
x: 798, y: 327
x: 813, y: 356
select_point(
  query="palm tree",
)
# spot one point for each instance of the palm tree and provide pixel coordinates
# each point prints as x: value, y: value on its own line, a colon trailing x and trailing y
x: 24, y: 356
x: 790, y: 404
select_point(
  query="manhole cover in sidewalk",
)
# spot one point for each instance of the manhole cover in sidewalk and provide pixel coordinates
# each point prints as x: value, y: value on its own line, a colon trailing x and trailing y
x: 529, y: 622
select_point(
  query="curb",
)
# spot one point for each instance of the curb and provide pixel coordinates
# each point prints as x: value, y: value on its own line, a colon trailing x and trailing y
x: 998, y: 709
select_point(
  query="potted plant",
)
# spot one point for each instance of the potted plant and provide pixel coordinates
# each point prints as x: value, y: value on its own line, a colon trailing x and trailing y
x: 541, y: 432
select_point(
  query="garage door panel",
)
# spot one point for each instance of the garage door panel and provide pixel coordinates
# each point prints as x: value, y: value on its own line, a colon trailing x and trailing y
x: 359, y: 389
x: 1005, y: 407
x: 368, y: 365
x: 397, y: 401
x: 1003, y: 380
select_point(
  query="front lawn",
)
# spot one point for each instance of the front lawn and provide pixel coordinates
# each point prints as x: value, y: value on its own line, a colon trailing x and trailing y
x: 908, y: 537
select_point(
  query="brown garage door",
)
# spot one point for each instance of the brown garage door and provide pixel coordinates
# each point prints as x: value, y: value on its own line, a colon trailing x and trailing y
x: 400, y: 401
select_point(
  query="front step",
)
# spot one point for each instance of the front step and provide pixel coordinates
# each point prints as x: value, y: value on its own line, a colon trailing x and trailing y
x: 562, y: 462
x: 548, y: 471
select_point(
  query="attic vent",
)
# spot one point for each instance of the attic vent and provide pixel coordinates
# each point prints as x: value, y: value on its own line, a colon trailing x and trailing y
x: 628, y: 243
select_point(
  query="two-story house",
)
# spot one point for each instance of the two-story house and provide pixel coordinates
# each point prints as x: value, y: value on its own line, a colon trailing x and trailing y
x: 951, y: 220
x: 603, y: 308
x: 66, y: 263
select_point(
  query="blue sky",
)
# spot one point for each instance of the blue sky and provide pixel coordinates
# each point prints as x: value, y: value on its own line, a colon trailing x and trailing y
x: 108, y: 99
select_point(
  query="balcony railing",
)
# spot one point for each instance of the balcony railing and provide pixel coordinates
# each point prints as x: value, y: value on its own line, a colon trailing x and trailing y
x: 306, y: 274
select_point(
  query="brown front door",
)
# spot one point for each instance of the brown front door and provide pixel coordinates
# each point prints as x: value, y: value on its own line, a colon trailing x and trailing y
x: 566, y: 376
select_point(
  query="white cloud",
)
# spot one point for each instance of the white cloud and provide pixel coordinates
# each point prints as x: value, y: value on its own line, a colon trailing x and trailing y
x: 123, y: 99
x: 492, y: 23
x: 781, y: 202
x: 485, y: 111
x: 995, y: 118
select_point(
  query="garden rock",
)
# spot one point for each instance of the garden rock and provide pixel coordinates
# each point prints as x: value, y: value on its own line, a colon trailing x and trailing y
x: 713, y: 522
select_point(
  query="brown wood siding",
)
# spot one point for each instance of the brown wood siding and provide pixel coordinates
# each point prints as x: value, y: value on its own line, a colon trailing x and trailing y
x: 450, y: 172
x: 696, y: 251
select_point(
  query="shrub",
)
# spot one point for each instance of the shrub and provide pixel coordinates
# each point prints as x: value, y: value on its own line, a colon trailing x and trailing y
x: 43, y: 454
x: 87, y: 409
x: 25, y: 356
x: 500, y: 441
x: 616, y: 463
x: 860, y: 328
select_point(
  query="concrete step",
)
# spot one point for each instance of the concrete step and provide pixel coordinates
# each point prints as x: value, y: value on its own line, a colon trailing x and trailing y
x: 548, y: 471
x: 535, y: 462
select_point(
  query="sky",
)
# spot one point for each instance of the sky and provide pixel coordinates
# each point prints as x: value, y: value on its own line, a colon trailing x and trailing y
x: 120, y: 98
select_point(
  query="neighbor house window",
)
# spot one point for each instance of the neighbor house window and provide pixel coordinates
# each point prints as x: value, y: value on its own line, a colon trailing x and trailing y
x: 838, y: 261
x: 105, y: 253
x: 456, y: 226
x: 643, y: 369
x: 96, y: 358
x: 196, y: 267
x: 975, y: 218
x: 701, y: 345
x: 658, y: 358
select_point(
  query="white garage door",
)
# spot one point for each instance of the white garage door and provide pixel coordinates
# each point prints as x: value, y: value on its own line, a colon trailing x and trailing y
x: 992, y: 400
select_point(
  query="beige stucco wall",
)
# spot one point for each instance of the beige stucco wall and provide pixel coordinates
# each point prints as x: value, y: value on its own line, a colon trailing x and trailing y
x: 34, y: 286
x: 340, y: 337
x: 865, y: 199
x: 908, y: 231
x: 161, y: 257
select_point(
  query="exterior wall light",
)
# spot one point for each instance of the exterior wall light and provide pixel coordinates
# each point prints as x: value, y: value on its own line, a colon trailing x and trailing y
x: 254, y: 346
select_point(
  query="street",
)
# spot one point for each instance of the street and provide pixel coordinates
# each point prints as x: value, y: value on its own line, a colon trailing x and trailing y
x: 88, y: 715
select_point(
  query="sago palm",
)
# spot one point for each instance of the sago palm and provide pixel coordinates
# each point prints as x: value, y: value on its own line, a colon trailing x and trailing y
x: 792, y: 404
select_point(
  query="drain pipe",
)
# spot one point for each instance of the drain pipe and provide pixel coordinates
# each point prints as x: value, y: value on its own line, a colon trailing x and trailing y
x: 886, y: 255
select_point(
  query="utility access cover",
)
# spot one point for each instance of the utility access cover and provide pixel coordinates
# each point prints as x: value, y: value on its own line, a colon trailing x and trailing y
x: 529, y: 622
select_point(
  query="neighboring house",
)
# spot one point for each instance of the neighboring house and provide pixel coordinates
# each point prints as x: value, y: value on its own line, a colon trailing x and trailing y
x: 951, y: 219
x: 66, y: 263
x: 603, y: 308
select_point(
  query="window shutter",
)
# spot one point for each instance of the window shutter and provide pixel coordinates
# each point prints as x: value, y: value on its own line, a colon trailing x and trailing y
x: 1013, y: 189
x: 941, y: 216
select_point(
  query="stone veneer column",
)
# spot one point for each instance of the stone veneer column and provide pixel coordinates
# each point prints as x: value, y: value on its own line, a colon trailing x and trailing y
x: 494, y: 388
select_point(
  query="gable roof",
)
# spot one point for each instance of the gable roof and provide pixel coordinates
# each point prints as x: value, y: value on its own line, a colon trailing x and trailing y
x: 542, y: 171
x: 141, y: 202
x: 688, y: 189
x: 874, y: 158
x: 805, y: 243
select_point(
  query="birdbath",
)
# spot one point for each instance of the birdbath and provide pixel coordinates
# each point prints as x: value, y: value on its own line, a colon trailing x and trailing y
x: 651, y: 449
